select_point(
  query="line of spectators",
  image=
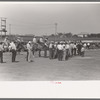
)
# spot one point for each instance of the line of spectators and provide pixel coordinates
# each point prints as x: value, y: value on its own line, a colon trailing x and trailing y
x: 63, y: 50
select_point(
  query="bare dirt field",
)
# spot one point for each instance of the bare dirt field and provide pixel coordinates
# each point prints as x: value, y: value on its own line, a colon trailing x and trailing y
x: 44, y: 69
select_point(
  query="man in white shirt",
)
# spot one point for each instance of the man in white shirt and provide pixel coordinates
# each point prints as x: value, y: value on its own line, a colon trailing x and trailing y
x: 34, y: 40
x: 71, y: 48
x: 41, y: 40
x: 30, y: 56
x: 84, y: 45
x: 13, y: 50
x: 51, y: 48
x: 88, y: 45
x: 67, y: 50
x: 45, y: 48
x: 74, y: 49
x: 55, y: 50
x: 60, y: 51
x: 60, y: 47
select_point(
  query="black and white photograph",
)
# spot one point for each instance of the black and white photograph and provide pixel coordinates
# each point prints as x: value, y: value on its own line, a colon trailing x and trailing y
x: 49, y: 41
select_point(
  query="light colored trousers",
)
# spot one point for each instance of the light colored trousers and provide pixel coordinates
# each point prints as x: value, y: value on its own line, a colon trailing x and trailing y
x: 30, y: 56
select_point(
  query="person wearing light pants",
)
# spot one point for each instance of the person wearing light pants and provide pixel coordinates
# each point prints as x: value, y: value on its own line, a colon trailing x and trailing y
x: 30, y: 53
x: 13, y: 50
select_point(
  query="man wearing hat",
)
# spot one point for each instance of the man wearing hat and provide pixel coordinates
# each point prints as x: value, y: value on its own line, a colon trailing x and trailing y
x: 13, y: 49
x: 41, y: 40
x: 71, y: 48
x: 60, y: 51
x: 45, y: 48
x: 55, y: 50
x: 1, y: 52
x: 30, y: 54
x: 67, y: 50
x: 51, y: 48
x: 34, y: 40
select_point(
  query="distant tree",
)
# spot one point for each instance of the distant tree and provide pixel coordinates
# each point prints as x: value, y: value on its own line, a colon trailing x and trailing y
x: 4, y: 30
x: 60, y: 34
x: 98, y: 35
x: 75, y: 36
x: 88, y: 35
x: 68, y: 34
x: 52, y: 35
x: 93, y: 35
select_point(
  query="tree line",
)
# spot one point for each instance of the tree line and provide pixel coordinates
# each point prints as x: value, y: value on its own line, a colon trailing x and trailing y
x: 69, y: 35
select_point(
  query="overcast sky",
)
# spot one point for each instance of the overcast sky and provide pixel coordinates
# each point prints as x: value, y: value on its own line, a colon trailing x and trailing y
x: 40, y: 18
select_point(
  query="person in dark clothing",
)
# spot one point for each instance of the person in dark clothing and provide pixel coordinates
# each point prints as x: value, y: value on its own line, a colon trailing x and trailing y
x: 79, y: 46
x: 82, y: 51
x: 45, y: 49
x: 27, y: 55
x: 55, y: 50
x: 19, y: 47
x: 1, y: 52
x: 60, y: 51
x: 13, y: 55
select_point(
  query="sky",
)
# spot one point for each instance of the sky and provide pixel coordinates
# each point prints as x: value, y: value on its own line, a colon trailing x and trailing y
x: 40, y: 18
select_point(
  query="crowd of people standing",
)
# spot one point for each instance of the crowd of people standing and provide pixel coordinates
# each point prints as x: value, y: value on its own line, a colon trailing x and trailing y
x: 12, y: 48
x: 61, y: 50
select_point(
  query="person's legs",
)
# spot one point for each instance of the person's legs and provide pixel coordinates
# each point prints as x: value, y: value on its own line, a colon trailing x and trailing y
x: 45, y: 53
x: 70, y: 52
x: 80, y: 52
x: 50, y: 53
x: 74, y: 51
x: 27, y: 56
x: 12, y: 55
x: 67, y: 54
x: 54, y: 53
x: 62, y: 55
x: 1, y: 56
x: 58, y: 54
x: 31, y: 56
x: 39, y: 53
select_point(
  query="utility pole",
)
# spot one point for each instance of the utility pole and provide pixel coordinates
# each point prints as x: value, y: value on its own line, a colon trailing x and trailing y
x: 55, y: 30
x: 10, y: 31
x: 3, y: 26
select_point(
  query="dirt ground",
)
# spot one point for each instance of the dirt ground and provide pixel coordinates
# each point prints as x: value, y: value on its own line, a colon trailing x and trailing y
x: 44, y: 69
